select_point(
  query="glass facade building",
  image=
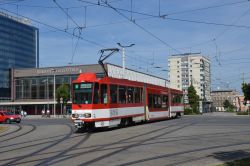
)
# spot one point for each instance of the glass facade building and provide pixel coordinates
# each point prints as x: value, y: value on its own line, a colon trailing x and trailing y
x: 18, y: 49
x: 33, y: 88
x: 41, y: 89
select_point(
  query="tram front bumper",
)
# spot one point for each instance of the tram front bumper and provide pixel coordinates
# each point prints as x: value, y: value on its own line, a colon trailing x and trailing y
x: 79, y: 123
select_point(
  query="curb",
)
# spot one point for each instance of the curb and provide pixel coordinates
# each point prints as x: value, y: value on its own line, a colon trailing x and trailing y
x: 51, y: 117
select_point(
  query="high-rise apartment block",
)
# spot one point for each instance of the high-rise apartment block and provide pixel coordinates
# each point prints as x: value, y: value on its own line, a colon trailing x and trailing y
x: 18, y: 49
x: 190, y: 68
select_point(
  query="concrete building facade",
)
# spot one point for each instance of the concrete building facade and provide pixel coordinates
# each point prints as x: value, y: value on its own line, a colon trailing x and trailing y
x: 239, y: 103
x: 190, y: 68
x: 219, y: 97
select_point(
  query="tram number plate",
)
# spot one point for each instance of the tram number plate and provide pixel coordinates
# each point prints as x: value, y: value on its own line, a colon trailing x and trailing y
x: 113, y: 112
x: 78, y: 121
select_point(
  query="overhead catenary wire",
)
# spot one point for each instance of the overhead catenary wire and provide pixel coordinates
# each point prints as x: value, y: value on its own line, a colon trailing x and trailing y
x: 166, y: 16
x: 56, y: 28
x: 209, y: 23
x: 175, y: 19
x: 209, y: 7
x: 15, y: 1
x: 222, y: 32
x: 131, y: 10
x: 141, y: 27
x: 80, y: 28
x: 67, y: 14
x: 191, y: 21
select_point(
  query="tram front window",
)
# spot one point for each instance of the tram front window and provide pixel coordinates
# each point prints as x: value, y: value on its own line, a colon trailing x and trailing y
x: 83, y: 93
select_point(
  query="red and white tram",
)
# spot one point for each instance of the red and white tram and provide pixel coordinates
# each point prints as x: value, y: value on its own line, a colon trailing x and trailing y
x: 109, y: 102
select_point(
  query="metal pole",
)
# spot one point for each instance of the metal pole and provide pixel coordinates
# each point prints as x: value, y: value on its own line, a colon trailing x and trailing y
x: 47, y: 90
x: 54, y: 94
x: 123, y: 62
x: 61, y: 109
x: 124, y: 57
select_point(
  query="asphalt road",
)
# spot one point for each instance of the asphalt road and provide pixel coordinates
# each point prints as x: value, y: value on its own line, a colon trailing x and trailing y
x: 209, y: 139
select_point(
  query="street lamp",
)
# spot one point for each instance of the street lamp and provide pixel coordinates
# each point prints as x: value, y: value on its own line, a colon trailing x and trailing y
x: 54, y: 93
x: 123, y: 56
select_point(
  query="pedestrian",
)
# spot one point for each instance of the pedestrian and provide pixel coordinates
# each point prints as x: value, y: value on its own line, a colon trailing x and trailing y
x: 22, y: 113
x: 43, y: 113
x: 48, y: 113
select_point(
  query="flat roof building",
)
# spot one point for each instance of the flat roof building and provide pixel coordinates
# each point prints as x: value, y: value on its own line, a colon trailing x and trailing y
x: 220, y: 96
x: 18, y: 49
x: 190, y: 68
x: 32, y: 89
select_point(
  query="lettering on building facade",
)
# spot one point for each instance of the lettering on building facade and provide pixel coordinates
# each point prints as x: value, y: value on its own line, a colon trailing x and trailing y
x: 58, y: 70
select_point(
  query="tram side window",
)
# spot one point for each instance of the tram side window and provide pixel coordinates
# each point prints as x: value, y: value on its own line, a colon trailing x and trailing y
x: 150, y: 100
x: 164, y: 101
x: 157, y: 101
x: 122, y: 94
x: 96, y: 91
x: 130, y: 92
x: 173, y: 98
x: 104, y: 95
x: 177, y: 98
x: 113, y: 93
x: 138, y: 95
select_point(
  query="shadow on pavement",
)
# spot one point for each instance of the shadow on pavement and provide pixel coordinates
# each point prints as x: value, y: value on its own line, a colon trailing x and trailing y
x: 227, y: 156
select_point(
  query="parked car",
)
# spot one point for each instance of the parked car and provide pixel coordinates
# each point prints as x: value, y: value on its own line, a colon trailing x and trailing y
x: 9, y: 117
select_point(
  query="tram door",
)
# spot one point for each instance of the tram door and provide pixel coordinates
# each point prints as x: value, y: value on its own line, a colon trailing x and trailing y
x: 144, y: 98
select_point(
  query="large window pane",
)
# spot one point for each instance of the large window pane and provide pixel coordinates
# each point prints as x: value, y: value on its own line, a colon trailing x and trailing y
x: 113, y: 93
x: 104, y: 95
x: 83, y: 93
x: 138, y: 92
x: 122, y: 94
x: 96, y: 93
x: 130, y: 95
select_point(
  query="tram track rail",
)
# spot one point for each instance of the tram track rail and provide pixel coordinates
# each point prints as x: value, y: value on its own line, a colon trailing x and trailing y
x: 8, y: 133
x: 18, y: 160
x: 33, y: 128
x: 101, y: 147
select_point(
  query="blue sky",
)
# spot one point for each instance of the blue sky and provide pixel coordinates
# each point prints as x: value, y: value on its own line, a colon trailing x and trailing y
x: 155, y: 38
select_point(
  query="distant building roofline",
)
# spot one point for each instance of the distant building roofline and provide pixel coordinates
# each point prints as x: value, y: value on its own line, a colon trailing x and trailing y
x: 228, y: 90
x: 195, y: 54
x: 25, y: 21
x: 48, y: 68
x: 186, y: 54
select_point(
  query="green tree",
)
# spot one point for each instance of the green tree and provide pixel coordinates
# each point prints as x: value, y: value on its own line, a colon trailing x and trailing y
x: 193, y: 99
x: 63, y: 91
x: 246, y: 91
x: 226, y: 104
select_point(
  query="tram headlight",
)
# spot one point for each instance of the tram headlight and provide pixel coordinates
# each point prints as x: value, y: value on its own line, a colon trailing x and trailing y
x: 87, y: 115
x: 76, y: 115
